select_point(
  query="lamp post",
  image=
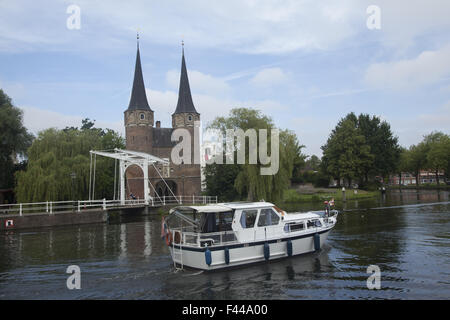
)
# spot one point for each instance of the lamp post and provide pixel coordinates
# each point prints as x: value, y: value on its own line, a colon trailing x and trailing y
x: 73, y: 176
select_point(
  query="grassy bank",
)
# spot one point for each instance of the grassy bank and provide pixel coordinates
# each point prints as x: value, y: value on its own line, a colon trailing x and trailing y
x: 292, y: 195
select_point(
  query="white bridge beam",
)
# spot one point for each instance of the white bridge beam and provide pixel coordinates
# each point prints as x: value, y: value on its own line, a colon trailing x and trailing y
x: 127, y: 158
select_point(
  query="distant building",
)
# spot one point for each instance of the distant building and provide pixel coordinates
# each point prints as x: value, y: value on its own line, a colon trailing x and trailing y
x: 425, y: 176
x: 142, y: 135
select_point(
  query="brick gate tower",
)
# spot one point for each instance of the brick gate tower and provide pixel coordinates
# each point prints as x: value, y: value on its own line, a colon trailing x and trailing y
x: 143, y: 135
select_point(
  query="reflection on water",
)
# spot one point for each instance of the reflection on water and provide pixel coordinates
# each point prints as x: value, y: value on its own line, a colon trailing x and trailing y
x: 405, y: 233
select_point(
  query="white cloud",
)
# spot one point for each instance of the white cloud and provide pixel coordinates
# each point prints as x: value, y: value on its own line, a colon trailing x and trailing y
x: 403, y: 21
x: 243, y: 26
x: 36, y: 119
x: 274, y: 27
x: 199, y: 82
x: 427, y: 68
x: 411, y: 128
x: 312, y: 135
x: 209, y: 106
x: 269, y: 77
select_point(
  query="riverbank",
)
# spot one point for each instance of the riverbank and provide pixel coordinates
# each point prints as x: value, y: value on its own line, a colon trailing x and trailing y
x: 442, y: 186
x: 307, y: 193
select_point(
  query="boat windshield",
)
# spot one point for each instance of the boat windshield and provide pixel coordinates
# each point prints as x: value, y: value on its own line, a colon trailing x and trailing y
x: 200, y: 220
x: 216, y: 221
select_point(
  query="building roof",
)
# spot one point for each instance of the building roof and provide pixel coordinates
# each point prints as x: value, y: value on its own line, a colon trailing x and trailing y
x: 138, y: 100
x: 185, y: 103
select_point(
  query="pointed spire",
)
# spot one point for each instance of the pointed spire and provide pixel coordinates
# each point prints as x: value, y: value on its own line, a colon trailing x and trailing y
x: 185, y: 103
x: 138, y: 98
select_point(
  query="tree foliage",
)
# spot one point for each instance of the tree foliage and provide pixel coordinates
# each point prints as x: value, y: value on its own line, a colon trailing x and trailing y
x: 432, y: 153
x: 346, y: 153
x: 14, y: 141
x: 359, y: 148
x: 56, y: 154
x: 248, y: 180
x: 219, y: 180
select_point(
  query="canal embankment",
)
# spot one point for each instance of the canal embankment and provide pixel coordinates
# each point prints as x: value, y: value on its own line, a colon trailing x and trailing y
x: 35, y: 220
x: 307, y: 193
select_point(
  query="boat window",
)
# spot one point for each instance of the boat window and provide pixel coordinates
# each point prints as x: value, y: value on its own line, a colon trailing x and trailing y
x: 314, y: 223
x: 268, y: 217
x: 225, y: 220
x: 216, y: 221
x: 248, y: 218
x: 296, y: 226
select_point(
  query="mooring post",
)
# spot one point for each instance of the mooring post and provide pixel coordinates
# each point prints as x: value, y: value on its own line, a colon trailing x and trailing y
x: 79, y: 207
x: 51, y: 207
x: 46, y: 207
x: 20, y: 209
x: 104, y: 204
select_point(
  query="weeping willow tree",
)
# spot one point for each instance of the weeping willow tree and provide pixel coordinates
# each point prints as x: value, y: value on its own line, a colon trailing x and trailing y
x: 56, y: 154
x: 249, y: 181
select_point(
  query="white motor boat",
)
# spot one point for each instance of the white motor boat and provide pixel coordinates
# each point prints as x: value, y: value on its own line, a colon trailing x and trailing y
x: 231, y: 234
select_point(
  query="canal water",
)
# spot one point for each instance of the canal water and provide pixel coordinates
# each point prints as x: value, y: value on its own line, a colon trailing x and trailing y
x: 406, y: 234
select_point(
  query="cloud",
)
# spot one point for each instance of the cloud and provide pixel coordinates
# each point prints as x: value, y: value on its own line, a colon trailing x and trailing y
x: 164, y: 103
x: 310, y: 134
x: 241, y: 26
x: 269, y: 77
x: 199, y: 82
x: 411, y: 128
x: 403, y: 22
x: 427, y: 68
x: 36, y: 119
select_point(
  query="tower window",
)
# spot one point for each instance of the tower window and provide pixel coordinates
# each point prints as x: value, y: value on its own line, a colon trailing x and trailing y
x: 190, y: 118
x: 142, y: 116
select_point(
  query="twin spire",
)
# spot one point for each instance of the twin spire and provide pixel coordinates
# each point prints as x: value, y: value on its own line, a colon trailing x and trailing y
x: 138, y: 100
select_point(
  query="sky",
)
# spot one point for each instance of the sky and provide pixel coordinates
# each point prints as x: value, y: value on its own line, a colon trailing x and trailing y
x: 304, y: 63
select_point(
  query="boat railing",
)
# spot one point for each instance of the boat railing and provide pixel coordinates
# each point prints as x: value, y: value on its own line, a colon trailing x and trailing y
x: 203, y: 239
x: 294, y: 225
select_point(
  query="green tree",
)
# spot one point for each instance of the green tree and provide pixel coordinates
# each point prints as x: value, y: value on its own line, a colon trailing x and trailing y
x: 14, y: 141
x: 219, y: 180
x: 417, y: 159
x: 313, y: 163
x: 438, y: 156
x: 249, y: 182
x: 403, y: 164
x: 346, y: 153
x: 383, y: 146
x: 55, y: 154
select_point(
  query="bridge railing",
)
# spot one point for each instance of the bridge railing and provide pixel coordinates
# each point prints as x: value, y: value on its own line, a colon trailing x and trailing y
x: 51, y: 207
x: 37, y: 207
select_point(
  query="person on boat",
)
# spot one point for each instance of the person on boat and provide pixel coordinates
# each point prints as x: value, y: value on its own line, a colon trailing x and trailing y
x: 132, y: 196
x: 329, y: 204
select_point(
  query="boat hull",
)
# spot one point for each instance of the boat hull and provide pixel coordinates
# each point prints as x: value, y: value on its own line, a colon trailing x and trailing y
x: 247, y: 253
